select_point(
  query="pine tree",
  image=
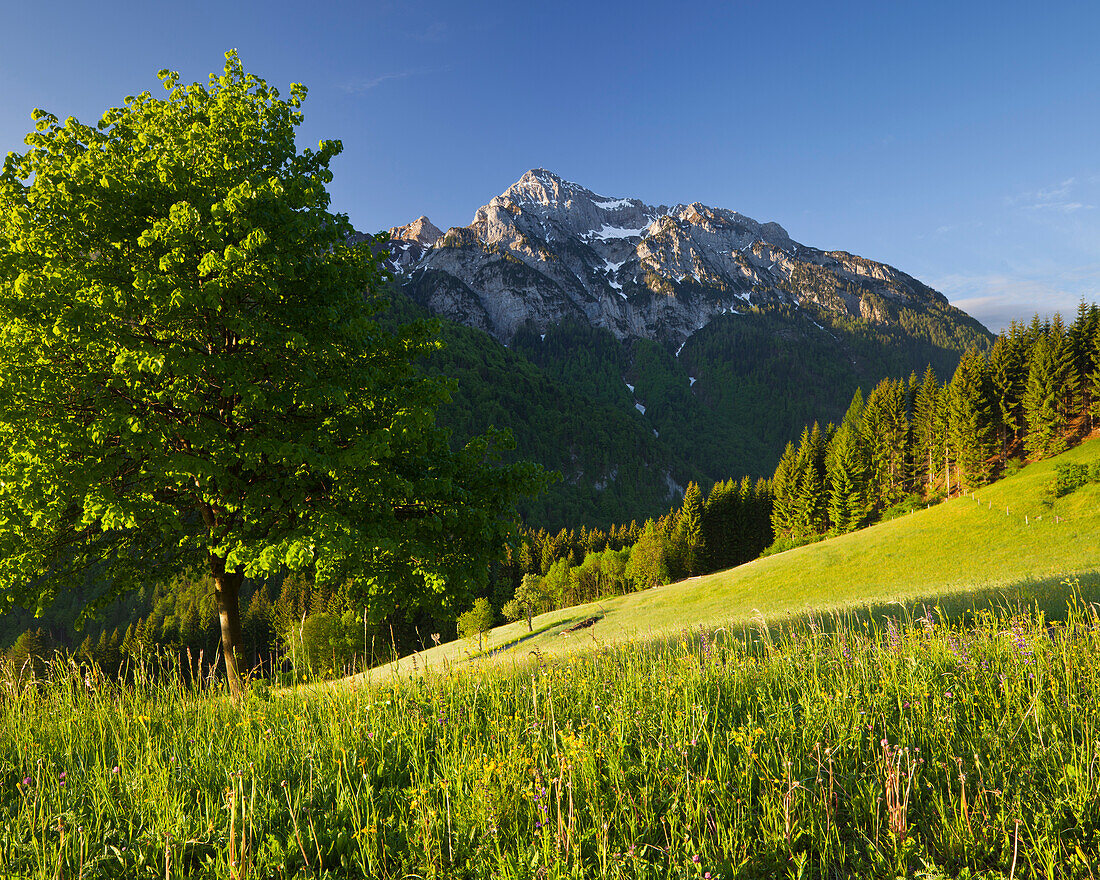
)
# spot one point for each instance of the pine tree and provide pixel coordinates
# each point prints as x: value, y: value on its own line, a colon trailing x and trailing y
x: 1067, y: 380
x: 1081, y: 335
x: 927, y: 436
x: 809, y: 502
x: 1005, y: 380
x: 722, y: 527
x: 784, y: 484
x: 846, y: 479
x: 969, y: 420
x: 687, y: 539
x: 1043, y: 434
x: 885, y: 433
x: 1094, y: 376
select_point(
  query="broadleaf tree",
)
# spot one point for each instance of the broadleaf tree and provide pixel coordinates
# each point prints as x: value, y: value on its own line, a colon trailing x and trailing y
x: 192, y: 371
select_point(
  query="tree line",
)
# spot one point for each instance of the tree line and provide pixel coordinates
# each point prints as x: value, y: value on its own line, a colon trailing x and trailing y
x: 1036, y: 388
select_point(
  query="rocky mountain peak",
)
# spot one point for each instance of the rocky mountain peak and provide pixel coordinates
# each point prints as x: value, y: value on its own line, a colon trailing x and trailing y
x: 541, y: 187
x: 547, y: 249
x: 421, y: 230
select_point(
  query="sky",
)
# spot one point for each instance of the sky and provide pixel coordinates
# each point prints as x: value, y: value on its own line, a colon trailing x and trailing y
x: 955, y: 141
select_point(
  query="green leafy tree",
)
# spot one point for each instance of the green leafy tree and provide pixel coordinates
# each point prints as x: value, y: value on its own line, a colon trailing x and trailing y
x: 476, y: 622
x: 648, y: 565
x: 192, y: 372
x: 326, y: 643
x: 530, y: 597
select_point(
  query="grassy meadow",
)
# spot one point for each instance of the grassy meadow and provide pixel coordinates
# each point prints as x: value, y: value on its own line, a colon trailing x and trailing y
x: 919, y: 749
x: 1008, y: 542
x: 919, y: 699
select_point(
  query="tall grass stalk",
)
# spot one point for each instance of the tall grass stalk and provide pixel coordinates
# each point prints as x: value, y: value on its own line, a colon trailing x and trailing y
x: 844, y: 748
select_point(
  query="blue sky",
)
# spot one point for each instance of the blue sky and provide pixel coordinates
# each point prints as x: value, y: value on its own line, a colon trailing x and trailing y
x: 959, y: 142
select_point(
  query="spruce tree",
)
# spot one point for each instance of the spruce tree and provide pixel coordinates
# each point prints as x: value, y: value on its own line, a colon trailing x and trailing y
x: 1067, y: 380
x: 687, y: 539
x: 885, y: 435
x: 1094, y: 376
x: 809, y: 503
x: 927, y: 437
x: 846, y: 479
x: 969, y: 420
x: 1005, y: 380
x: 783, y: 488
x: 721, y: 526
x: 1043, y: 434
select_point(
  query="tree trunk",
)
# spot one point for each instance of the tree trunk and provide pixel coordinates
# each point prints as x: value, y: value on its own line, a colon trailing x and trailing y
x: 227, y: 593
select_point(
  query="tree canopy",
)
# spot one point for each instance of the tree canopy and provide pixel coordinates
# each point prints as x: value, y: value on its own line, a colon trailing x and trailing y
x: 191, y: 370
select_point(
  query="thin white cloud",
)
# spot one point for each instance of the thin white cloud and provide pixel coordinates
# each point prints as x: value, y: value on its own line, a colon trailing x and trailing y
x: 997, y: 299
x: 436, y: 32
x: 1061, y: 197
x: 358, y: 87
x: 365, y: 85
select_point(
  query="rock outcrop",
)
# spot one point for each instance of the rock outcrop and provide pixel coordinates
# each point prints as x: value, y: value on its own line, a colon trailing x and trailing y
x: 547, y: 249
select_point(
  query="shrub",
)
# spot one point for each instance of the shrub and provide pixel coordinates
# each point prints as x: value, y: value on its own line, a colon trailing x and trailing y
x: 1068, y: 477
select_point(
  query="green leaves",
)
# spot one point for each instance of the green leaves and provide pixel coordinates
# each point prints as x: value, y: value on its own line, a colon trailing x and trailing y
x: 190, y: 369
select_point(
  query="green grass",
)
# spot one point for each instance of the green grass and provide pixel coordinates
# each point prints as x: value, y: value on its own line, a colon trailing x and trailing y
x: 962, y: 552
x: 731, y: 725
x: 917, y: 750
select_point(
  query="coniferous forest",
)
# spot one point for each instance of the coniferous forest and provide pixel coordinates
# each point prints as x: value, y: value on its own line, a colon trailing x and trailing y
x: 905, y: 443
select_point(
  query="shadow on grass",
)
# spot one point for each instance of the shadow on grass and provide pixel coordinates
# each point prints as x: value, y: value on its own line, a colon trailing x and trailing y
x: 562, y: 625
x: 1050, y: 599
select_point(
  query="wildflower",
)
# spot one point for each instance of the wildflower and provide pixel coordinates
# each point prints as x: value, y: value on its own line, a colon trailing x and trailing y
x: 115, y: 769
x: 695, y: 858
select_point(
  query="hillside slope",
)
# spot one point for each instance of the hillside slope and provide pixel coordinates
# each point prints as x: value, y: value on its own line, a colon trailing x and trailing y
x: 701, y: 340
x: 1006, y: 542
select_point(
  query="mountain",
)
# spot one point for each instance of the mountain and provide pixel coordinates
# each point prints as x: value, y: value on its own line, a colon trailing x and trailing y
x: 636, y: 347
x: 546, y: 250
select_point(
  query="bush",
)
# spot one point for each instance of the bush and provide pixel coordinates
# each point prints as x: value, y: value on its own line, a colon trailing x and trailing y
x: 1068, y: 477
x: 907, y: 505
x: 325, y: 644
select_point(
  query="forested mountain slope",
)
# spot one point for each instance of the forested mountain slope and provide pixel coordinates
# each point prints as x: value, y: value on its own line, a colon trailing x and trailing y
x: 636, y: 348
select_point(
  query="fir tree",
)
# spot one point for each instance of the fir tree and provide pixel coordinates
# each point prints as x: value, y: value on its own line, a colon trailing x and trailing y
x: 885, y: 433
x: 927, y: 436
x: 1094, y: 376
x: 687, y: 539
x: 1043, y: 435
x: 969, y: 421
x: 1005, y: 381
x: 847, y: 481
x: 784, y: 484
x: 1067, y: 380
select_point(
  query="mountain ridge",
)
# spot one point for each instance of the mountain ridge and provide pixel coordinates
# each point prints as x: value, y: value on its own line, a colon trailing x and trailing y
x: 636, y: 348
x: 547, y: 249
